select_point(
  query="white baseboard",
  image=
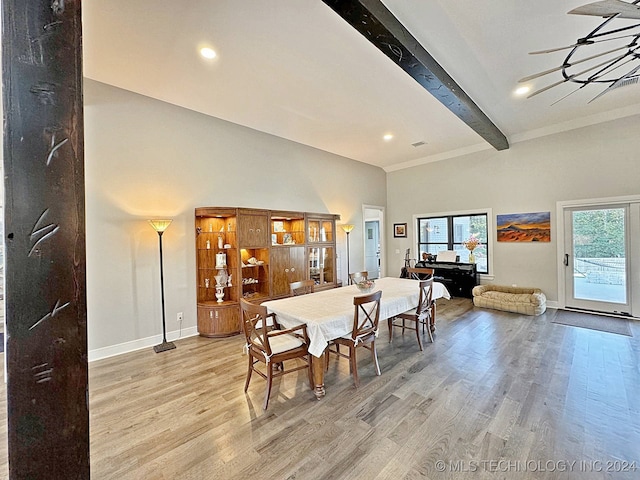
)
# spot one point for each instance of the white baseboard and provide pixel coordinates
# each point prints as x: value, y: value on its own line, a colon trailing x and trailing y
x: 113, y: 350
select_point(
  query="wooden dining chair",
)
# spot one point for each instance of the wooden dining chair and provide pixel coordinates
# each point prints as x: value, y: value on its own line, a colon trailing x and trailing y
x: 358, y: 277
x: 302, y: 287
x: 272, y: 347
x: 423, y: 273
x: 365, y: 327
x: 421, y: 315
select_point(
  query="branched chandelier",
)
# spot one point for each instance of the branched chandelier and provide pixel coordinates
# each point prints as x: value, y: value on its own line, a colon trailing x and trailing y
x: 582, y: 66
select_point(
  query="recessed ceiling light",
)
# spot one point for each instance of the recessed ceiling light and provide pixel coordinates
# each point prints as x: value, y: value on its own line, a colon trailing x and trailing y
x: 522, y: 90
x: 388, y: 137
x: 207, y: 52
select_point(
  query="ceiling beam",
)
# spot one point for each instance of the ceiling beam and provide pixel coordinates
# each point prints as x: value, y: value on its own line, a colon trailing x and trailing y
x: 378, y: 25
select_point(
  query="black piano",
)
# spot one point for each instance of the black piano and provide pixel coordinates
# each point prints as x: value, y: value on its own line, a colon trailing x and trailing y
x: 459, y: 278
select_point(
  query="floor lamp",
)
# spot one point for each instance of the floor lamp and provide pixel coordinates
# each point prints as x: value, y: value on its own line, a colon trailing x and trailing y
x: 160, y: 226
x: 347, y: 229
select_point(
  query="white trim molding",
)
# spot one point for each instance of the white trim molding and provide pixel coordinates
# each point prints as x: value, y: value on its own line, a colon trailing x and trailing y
x: 139, y: 344
x: 490, y: 234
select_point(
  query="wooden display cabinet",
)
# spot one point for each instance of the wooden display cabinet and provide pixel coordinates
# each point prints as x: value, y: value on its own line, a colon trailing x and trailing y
x: 217, y: 260
x: 263, y: 251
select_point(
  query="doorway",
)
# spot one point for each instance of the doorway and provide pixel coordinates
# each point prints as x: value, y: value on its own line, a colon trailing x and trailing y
x: 600, y: 267
x: 372, y: 248
x: 373, y: 240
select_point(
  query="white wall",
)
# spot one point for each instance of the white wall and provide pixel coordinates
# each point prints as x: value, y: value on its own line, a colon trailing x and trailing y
x: 593, y: 162
x: 146, y: 159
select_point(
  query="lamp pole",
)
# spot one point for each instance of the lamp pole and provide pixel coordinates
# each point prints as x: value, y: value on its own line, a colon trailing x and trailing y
x: 348, y: 269
x: 160, y: 226
x: 347, y: 229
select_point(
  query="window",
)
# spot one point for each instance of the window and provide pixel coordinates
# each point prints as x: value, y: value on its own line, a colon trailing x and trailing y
x: 449, y: 231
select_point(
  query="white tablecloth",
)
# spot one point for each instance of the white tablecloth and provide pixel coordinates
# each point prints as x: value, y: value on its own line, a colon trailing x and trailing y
x: 329, y: 314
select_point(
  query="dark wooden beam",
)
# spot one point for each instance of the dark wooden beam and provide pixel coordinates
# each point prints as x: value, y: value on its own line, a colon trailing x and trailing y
x: 47, y: 396
x: 378, y: 25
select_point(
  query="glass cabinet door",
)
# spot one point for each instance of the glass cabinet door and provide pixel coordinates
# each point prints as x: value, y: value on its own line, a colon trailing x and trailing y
x: 322, y: 265
x: 320, y: 230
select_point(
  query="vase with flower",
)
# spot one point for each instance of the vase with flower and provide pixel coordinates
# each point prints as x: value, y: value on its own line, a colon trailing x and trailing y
x: 471, y: 244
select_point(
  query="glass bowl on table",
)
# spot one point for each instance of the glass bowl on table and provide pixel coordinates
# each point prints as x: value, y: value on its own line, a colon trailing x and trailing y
x: 365, y: 286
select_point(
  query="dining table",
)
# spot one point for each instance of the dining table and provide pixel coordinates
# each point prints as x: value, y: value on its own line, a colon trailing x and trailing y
x: 328, y: 314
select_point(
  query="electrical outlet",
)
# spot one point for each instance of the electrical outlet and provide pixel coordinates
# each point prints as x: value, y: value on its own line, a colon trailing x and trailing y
x: 179, y: 318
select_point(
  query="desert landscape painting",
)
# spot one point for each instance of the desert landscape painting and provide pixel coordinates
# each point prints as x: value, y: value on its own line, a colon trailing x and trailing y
x: 524, y: 227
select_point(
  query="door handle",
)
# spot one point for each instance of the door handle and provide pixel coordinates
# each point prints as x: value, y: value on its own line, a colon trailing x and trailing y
x: 566, y: 259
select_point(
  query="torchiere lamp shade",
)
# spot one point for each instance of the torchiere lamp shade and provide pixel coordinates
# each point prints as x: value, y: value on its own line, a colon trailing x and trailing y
x: 347, y: 227
x: 160, y: 225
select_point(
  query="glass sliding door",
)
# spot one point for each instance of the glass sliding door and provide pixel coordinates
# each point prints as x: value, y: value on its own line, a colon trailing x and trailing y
x: 596, y: 258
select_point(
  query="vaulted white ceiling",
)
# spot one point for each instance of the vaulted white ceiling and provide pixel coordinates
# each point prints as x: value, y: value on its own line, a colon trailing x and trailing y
x: 295, y: 69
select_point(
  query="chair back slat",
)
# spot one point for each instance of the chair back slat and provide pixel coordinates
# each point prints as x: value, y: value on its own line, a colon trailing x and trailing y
x: 254, y: 323
x: 420, y: 273
x: 366, y: 314
x: 358, y: 277
x: 425, y: 298
x: 302, y: 287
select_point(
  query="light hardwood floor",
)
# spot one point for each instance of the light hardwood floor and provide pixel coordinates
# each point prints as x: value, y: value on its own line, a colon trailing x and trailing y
x: 498, y: 395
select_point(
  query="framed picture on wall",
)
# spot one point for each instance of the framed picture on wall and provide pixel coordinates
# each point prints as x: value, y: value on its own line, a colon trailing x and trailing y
x: 524, y: 227
x: 400, y: 230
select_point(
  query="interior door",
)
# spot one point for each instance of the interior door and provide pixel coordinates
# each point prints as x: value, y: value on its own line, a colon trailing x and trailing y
x: 372, y: 248
x: 596, y: 260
